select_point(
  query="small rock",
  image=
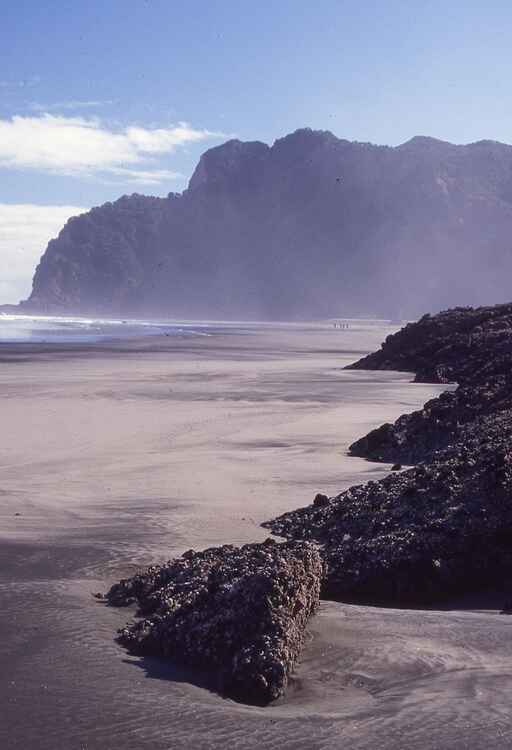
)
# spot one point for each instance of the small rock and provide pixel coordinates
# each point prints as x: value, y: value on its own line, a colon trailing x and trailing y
x: 320, y: 500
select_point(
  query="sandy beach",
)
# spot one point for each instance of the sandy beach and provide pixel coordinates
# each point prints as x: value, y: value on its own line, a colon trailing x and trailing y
x: 115, y: 456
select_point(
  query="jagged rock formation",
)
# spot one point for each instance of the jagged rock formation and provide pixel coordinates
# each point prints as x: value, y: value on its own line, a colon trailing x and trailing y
x: 462, y: 345
x: 470, y: 346
x: 241, y: 612
x: 445, y: 526
x: 312, y: 226
x: 420, y: 535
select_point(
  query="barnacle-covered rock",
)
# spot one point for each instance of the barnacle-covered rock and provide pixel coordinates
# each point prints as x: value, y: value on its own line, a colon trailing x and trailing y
x: 238, y: 611
x: 444, y: 526
x: 472, y: 347
x: 420, y: 535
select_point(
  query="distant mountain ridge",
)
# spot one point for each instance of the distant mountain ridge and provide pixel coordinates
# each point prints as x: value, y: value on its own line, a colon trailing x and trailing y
x: 312, y: 226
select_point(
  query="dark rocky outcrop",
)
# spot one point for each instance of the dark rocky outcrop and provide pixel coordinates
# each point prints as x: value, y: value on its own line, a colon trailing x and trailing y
x: 463, y: 344
x: 470, y: 346
x: 313, y: 226
x: 441, y: 528
x: 418, y: 536
x: 445, y: 526
x: 240, y: 612
x: 449, y: 418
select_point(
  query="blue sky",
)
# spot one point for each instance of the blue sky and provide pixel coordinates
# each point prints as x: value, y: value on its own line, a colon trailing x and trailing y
x: 106, y: 98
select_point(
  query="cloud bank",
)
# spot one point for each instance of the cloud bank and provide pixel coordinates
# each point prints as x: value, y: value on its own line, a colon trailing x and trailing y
x: 25, y: 230
x: 79, y: 146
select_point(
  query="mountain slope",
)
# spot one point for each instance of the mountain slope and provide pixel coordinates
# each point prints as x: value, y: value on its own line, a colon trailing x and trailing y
x: 312, y: 226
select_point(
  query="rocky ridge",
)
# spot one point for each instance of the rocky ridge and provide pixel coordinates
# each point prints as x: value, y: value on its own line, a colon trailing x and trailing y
x: 311, y: 226
x: 463, y: 344
x: 445, y: 525
x: 472, y: 347
x: 417, y: 536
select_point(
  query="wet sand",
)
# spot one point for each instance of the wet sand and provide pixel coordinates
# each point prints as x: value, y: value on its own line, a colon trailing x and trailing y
x: 120, y: 455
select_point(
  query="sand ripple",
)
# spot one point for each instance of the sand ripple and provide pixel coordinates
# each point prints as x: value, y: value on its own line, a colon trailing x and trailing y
x: 394, y: 678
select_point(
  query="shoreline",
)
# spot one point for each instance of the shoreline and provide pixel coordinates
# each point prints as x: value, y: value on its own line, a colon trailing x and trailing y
x: 294, y: 413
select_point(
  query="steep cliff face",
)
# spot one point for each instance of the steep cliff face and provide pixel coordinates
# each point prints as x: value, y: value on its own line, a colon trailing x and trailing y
x: 100, y: 259
x: 311, y: 226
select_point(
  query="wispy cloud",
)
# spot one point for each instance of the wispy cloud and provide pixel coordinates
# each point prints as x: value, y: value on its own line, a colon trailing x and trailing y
x: 25, y: 230
x: 72, y: 104
x: 20, y: 83
x: 78, y: 146
x: 146, y: 177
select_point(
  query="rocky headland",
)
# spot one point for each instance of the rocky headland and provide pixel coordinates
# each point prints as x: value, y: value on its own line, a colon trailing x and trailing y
x: 312, y: 226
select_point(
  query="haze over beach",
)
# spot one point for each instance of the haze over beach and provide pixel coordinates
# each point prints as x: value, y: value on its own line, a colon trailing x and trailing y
x: 255, y: 356
x: 312, y: 227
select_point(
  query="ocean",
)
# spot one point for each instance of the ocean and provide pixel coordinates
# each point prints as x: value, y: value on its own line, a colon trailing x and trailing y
x: 51, y: 329
x: 70, y: 329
